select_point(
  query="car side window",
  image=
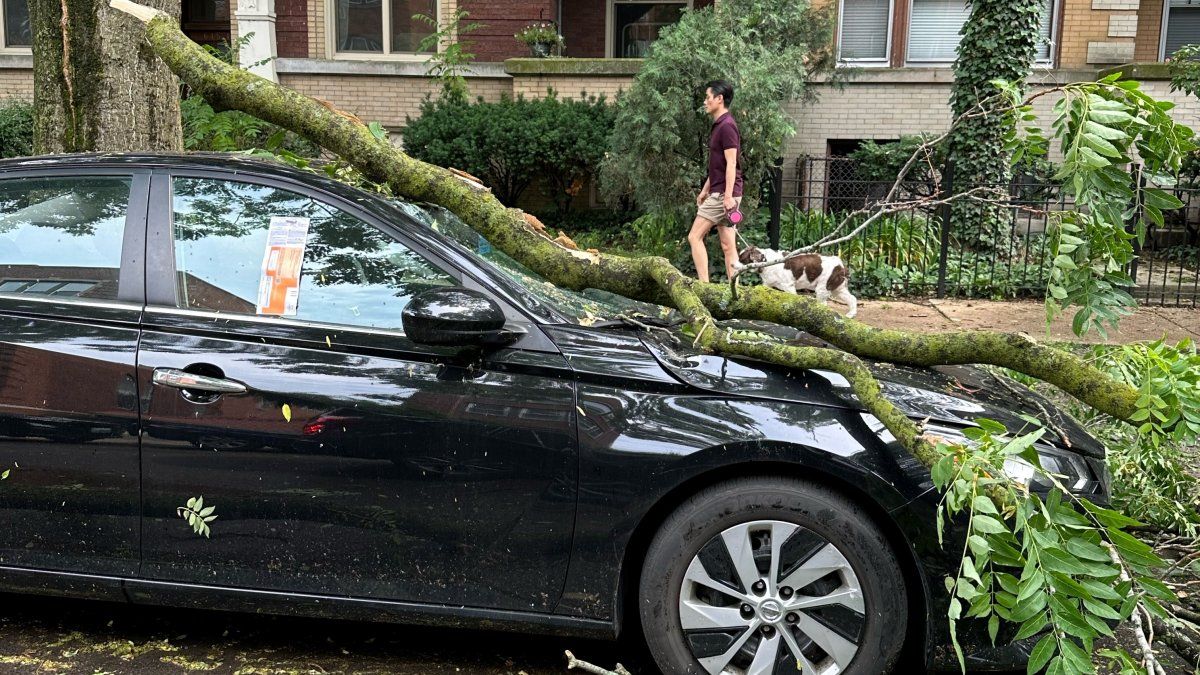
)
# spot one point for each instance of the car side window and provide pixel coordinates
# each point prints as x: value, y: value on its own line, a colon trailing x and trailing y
x: 244, y: 248
x: 61, y: 236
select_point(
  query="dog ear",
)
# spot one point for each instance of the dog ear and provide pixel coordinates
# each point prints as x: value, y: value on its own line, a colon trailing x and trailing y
x: 757, y: 255
x: 746, y: 256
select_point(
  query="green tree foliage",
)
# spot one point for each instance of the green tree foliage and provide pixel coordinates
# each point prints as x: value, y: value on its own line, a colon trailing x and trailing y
x: 451, y: 63
x: 768, y: 50
x: 999, y: 41
x: 512, y: 144
x: 1101, y: 126
x: 16, y: 128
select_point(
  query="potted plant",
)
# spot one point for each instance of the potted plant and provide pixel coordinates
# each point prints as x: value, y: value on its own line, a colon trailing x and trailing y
x: 541, y: 37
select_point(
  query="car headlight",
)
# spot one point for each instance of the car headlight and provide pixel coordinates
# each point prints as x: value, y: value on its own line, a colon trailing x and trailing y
x: 1071, y: 469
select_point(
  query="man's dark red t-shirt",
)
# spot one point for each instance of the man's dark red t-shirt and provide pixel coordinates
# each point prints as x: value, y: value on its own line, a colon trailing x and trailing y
x: 725, y: 135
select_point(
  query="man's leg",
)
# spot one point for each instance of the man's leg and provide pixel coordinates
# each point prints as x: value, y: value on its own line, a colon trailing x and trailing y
x: 700, y: 228
x: 728, y: 236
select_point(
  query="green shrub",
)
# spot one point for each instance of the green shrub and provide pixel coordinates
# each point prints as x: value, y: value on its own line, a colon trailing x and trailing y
x: 205, y: 130
x: 16, y: 128
x: 510, y: 144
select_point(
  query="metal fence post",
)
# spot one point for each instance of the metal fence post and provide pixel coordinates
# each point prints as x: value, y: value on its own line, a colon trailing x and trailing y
x: 775, y: 172
x: 945, y: 192
x: 1139, y: 183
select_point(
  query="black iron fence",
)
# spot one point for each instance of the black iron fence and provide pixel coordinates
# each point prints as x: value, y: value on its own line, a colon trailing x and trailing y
x: 933, y: 249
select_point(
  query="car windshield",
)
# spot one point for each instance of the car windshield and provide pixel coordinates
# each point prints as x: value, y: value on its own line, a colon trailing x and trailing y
x: 585, y: 308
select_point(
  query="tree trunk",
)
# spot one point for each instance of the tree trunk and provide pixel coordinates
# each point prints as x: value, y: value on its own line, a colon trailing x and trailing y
x: 97, y: 85
x: 647, y: 279
x: 999, y: 42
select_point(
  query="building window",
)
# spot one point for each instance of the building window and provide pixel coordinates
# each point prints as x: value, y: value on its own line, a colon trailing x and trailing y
x: 381, y: 26
x: 1048, y: 35
x: 635, y: 24
x: 15, y: 20
x: 1182, y: 21
x: 867, y: 30
x: 934, y: 29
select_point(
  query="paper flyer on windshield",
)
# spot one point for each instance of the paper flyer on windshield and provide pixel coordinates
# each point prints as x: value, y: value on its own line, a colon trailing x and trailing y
x: 279, y: 286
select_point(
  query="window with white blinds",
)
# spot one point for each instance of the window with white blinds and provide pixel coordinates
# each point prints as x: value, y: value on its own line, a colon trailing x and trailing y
x: 1183, y: 25
x: 935, y: 25
x: 865, y: 30
x: 933, y: 29
x: 1046, y: 37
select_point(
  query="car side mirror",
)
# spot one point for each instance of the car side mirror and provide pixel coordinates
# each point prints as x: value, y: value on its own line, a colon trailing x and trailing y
x: 455, y: 317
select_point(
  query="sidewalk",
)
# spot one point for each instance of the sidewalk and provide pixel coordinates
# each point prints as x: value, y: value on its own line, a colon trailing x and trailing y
x: 1147, y: 323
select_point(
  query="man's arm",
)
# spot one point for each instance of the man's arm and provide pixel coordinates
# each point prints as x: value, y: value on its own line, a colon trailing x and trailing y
x: 704, y: 192
x: 730, y: 177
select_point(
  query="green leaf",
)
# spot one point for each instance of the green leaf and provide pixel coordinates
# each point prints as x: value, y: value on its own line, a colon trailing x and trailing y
x: 983, y: 504
x: 1032, y: 626
x: 1041, y: 655
x: 1110, y: 116
x: 1068, y: 618
x: 993, y: 628
x: 1107, y: 133
x: 987, y: 525
x: 1078, y: 658
x: 1085, y: 549
x: 1160, y: 199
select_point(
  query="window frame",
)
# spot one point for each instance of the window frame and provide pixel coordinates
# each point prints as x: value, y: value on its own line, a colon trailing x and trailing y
x: 1164, y: 25
x: 610, y: 18
x: 886, y: 61
x: 161, y: 284
x: 900, y: 30
x: 131, y: 279
x: 387, y: 54
x: 5, y: 48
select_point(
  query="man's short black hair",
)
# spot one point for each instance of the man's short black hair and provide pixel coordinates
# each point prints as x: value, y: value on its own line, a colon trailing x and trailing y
x: 723, y: 89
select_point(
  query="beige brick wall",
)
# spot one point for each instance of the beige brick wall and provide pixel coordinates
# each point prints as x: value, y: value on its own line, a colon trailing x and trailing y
x: 569, y: 86
x: 879, y: 111
x: 1149, y: 24
x: 381, y: 98
x: 16, y: 83
x: 1081, y: 25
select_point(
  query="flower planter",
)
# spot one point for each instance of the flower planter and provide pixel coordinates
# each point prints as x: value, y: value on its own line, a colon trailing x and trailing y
x: 541, y: 50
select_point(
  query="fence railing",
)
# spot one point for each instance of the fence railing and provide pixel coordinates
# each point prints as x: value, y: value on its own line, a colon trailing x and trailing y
x: 932, y: 249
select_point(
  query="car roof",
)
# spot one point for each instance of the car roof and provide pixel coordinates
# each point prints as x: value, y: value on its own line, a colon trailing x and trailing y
x: 223, y: 161
x: 233, y: 163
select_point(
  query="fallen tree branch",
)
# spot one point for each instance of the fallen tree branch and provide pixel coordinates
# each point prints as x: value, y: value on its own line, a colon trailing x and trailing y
x: 647, y: 279
x: 573, y: 663
x: 1140, y: 630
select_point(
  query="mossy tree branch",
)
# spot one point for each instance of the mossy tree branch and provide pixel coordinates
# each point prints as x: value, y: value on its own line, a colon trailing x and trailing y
x: 647, y: 279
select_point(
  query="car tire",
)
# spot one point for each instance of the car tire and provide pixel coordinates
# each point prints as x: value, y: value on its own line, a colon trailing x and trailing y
x: 738, y: 520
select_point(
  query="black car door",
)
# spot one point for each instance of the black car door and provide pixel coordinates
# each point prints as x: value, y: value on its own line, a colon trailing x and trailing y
x: 71, y: 293
x: 337, y: 456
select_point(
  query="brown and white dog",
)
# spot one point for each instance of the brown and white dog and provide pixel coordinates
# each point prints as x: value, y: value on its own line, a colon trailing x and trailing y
x: 826, y: 275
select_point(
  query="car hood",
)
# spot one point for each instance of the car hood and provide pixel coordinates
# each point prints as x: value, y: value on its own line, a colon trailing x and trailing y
x: 948, y: 395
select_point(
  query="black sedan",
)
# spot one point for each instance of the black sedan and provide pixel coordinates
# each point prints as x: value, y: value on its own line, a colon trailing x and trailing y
x: 229, y: 384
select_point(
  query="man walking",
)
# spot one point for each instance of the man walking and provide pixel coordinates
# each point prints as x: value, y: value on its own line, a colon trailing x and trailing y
x: 722, y: 192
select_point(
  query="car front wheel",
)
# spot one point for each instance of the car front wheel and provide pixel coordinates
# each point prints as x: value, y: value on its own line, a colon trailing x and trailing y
x: 768, y: 576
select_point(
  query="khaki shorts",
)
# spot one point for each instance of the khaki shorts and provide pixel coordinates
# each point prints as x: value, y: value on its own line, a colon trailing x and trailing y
x: 713, y: 209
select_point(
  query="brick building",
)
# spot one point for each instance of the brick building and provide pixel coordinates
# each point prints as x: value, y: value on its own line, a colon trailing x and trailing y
x: 361, y: 54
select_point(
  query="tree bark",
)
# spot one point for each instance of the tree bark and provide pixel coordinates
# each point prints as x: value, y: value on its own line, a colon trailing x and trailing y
x: 97, y: 85
x: 648, y: 279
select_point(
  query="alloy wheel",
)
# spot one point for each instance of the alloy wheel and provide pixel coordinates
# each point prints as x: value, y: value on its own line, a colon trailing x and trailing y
x: 768, y: 597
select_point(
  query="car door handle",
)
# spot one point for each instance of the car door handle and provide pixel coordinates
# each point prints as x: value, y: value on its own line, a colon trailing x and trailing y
x: 178, y: 379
